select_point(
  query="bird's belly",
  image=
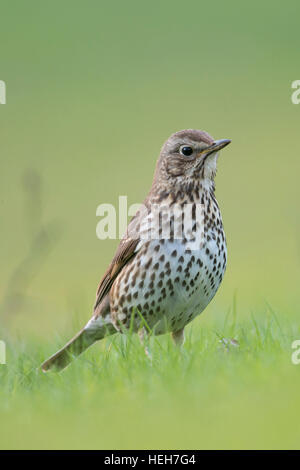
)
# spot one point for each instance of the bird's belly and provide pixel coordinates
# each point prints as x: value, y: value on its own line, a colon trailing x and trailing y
x: 167, y: 284
x: 198, y: 282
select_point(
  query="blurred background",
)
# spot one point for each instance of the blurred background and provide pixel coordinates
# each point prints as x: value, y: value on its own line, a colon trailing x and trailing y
x: 94, y: 88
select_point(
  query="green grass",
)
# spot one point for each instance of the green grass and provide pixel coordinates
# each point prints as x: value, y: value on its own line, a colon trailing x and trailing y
x: 92, y: 94
x: 206, y: 395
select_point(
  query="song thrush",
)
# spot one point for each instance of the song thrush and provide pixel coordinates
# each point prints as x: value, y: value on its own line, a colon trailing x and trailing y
x: 170, y: 263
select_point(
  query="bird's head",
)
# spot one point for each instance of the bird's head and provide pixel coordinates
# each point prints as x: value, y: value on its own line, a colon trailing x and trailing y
x: 188, y: 157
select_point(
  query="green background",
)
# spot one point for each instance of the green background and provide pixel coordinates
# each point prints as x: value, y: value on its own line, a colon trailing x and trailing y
x: 94, y: 88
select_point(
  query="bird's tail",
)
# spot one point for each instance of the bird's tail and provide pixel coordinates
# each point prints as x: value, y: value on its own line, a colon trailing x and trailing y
x: 76, y: 346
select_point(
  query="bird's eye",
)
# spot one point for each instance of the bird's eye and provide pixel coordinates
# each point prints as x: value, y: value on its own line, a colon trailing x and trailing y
x: 186, y: 151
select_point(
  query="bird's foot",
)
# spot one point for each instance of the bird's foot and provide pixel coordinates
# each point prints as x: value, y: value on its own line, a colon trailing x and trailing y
x: 144, y: 339
x: 178, y: 337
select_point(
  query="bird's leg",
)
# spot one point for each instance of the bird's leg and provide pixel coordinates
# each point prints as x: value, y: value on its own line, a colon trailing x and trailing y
x: 143, y: 335
x: 178, y: 337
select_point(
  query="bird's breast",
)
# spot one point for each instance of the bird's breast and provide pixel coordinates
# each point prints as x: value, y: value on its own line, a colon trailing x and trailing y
x: 171, y: 280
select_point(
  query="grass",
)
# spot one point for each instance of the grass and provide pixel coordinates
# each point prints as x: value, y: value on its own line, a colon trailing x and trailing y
x: 211, y: 394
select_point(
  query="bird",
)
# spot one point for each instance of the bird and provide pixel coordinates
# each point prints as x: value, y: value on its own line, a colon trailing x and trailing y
x: 173, y: 256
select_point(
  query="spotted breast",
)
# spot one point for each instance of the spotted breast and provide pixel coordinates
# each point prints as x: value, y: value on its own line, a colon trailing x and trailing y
x: 171, y: 281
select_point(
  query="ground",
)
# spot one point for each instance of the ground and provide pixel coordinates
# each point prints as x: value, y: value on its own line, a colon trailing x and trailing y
x: 213, y: 393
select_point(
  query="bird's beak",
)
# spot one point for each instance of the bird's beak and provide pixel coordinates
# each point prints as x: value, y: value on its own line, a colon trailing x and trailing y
x: 215, y: 147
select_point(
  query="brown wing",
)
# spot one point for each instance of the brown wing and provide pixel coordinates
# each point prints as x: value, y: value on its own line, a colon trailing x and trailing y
x: 125, y: 252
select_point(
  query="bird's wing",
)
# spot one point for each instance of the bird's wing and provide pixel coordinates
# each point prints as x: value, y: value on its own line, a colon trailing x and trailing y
x: 125, y: 252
